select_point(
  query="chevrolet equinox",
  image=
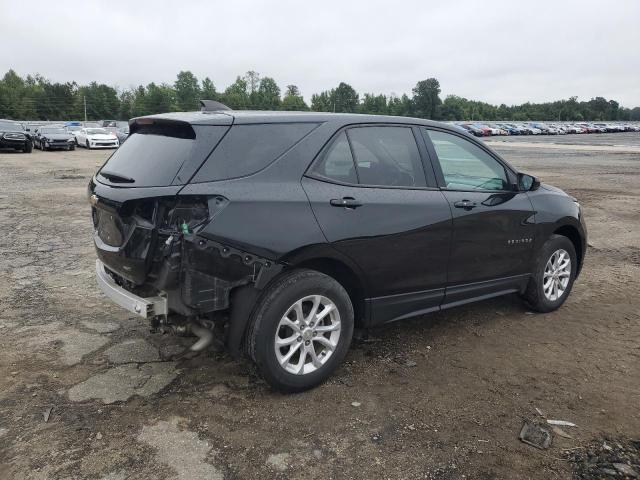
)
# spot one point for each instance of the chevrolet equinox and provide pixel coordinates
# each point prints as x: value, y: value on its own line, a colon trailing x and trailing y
x: 278, y: 233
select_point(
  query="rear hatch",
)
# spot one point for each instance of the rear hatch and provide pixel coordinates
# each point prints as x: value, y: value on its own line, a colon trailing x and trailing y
x: 133, y: 195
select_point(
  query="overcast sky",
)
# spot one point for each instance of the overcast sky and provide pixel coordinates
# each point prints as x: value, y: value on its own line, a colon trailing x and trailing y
x: 497, y: 51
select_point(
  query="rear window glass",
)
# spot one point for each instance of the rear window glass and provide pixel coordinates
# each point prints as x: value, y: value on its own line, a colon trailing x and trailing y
x: 150, y: 160
x: 246, y: 149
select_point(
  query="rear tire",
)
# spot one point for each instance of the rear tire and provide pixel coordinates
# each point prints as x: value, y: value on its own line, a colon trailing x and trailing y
x: 294, y: 342
x: 553, y: 277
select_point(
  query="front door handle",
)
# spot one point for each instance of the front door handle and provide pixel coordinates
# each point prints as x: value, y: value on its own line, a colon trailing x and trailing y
x: 466, y: 204
x: 345, y: 202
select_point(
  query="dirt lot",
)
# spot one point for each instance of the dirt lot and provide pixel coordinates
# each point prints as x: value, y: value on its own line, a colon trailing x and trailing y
x: 86, y: 392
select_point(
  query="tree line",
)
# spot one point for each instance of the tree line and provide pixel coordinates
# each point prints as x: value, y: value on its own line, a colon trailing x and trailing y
x: 36, y: 98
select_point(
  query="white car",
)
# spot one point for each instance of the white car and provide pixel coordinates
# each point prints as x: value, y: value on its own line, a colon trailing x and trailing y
x: 96, y: 138
x: 498, y: 130
x: 495, y: 130
x: 533, y: 130
x: 555, y: 130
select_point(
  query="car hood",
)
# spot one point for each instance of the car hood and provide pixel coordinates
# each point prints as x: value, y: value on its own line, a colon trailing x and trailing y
x: 551, y: 188
x: 57, y: 136
x: 101, y: 136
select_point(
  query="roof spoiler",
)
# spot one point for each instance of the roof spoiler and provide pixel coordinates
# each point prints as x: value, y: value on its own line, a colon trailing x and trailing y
x: 212, y: 106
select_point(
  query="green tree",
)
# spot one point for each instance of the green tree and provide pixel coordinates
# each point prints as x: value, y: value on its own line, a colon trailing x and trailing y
x: 345, y: 98
x: 292, y: 100
x: 187, y: 91
x: 268, y: 94
x: 208, y: 90
x: 402, y: 106
x: 252, y: 79
x: 374, y: 104
x: 455, y: 108
x: 322, y: 102
x: 426, y: 98
x: 236, y: 95
x: 54, y: 101
x: 101, y: 100
x: 139, y: 106
x: 127, y: 102
x: 159, y: 98
x: 15, y: 102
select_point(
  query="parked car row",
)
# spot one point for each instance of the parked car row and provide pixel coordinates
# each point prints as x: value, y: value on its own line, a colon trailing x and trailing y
x: 68, y: 137
x: 537, y: 128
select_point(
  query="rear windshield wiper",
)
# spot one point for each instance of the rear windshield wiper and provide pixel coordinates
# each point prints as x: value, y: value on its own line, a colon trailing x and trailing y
x: 116, y: 178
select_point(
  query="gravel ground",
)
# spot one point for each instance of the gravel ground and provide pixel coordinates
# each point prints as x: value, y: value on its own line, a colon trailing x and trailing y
x: 86, y: 392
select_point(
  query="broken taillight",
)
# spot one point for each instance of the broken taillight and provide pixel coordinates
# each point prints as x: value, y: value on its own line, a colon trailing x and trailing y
x: 189, y: 214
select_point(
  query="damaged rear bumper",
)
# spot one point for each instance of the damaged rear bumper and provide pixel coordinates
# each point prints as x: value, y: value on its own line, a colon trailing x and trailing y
x: 154, y: 259
x: 144, y: 307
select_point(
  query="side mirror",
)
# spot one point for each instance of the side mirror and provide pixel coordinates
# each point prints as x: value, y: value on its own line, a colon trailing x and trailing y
x: 528, y: 182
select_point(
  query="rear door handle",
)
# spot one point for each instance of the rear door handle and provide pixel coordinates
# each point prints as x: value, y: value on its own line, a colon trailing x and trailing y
x: 466, y: 204
x: 345, y: 202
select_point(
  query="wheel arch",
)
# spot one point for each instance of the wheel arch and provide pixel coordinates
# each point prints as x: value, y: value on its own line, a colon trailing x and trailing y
x: 318, y: 258
x: 345, y: 276
x: 573, y: 234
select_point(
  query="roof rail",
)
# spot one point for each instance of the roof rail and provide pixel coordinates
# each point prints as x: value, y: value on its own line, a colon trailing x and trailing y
x: 212, y: 106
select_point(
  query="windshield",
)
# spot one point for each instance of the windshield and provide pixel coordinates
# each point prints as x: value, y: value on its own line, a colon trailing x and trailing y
x: 74, y: 128
x: 95, y: 131
x: 52, y: 130
x: 10, y: 126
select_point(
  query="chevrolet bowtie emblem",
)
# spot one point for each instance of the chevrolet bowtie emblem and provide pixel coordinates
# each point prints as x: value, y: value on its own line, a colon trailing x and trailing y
x: 93, y: 199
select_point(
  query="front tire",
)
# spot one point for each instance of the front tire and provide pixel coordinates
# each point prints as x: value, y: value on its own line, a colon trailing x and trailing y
x: 300, y: 330
x: 88, y: 145
x: 555, y: 272
x: 28, y: 147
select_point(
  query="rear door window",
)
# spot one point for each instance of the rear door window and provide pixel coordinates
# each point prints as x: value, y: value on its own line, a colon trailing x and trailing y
x: 247, y: 149
x: 387, y: 156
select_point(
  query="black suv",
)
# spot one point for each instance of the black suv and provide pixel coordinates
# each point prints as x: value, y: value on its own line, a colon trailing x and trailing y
x: 281, y: 232
x: 13, y: 135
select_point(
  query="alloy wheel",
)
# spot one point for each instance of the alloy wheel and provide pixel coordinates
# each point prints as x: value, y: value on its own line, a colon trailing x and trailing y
x: 556, y: 276
x: 307, y: 334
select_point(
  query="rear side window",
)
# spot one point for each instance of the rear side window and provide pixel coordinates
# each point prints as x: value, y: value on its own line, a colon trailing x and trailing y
x: 387, y: 156
x: 337, y: 162
x: 246, y: 149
